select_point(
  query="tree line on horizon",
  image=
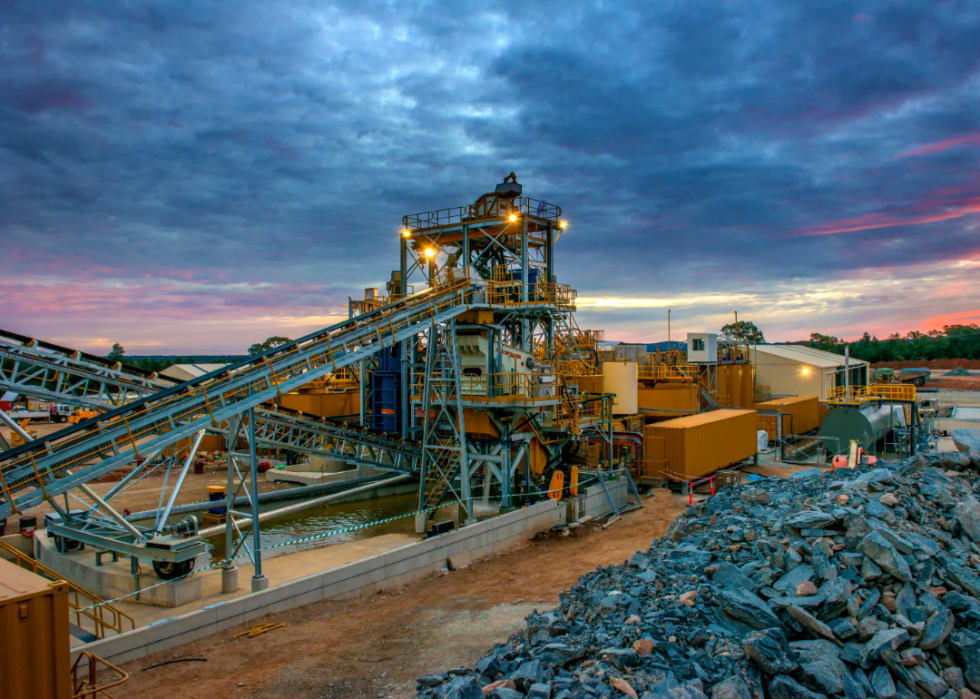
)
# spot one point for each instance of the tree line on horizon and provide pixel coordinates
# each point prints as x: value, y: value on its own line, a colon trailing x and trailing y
x: 952, y: 342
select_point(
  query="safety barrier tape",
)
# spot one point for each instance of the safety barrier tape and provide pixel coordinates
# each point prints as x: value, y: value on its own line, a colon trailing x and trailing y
x: 315, y: 537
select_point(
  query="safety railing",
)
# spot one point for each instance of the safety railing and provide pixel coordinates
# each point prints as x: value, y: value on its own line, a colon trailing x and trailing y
x: 663, y: 372
x: 505, y: 387
x: 875, y: 392
x: 85, y: 677
x: 495, y: 208
x: 81, y: 602
x: 512, y: 293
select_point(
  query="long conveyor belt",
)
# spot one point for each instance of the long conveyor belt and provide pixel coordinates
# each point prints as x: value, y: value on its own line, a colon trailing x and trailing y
x: 43, y: 468
x: 50, y: 372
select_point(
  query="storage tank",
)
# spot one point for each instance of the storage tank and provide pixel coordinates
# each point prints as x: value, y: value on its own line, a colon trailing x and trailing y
x: 867, y: 424
x: 620, y: 378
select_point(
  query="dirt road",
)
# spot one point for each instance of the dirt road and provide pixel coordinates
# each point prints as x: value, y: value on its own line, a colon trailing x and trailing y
x: 378, y: 646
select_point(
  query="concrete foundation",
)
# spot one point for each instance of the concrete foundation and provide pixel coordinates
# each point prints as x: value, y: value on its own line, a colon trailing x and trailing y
x: 305, y: 474
x: 115, y: 579
x: 260, y: 583
x: 229, y: 580
x: 364, y: 577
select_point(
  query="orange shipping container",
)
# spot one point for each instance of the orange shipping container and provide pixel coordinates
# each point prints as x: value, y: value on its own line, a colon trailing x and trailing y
x: 695, y: 446
x: 35, y: 662
x: 801, y: 414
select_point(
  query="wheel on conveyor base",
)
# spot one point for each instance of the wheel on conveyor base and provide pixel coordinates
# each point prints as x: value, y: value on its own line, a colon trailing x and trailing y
x: 169, y: 570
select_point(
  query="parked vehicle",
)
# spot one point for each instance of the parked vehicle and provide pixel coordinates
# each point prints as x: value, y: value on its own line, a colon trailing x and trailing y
x: 51, y: 412
x: 917, y: 376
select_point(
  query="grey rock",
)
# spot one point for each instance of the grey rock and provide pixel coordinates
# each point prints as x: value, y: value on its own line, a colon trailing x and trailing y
x: 870, y: 569
x: 620, y: 657
x: 965, y: 645
x: 805, y: 474
x: 732, y: 688
x: 953, y: 676
x: 749, y: 609
x: 559, y: 654
x: 785, y: 687
x: 883, y: 552
x: 530, y: 672
x: 810, y: 519
x: 937, y: 629
x: 882, y: 683
x: 505, y: 693
x: 899, y: 672
x: 968, y: 514
x: 929, y: 681
x: 822, y: 676
x: 770, y: 651
x: 730, y: 576
x: 463, y: 688
x: 539, y: 691
x: 890, y: 639
x: 799, y: 574
x: 852, y: 688
x: 811, y: 624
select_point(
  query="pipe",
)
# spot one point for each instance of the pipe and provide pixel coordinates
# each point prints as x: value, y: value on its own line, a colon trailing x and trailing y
x: 273, y: 496
x: 300, y: 506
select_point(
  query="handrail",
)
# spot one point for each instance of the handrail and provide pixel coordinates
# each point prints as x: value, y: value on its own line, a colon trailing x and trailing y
x: 96, y: 609
x: 499, y: 208
x: 864, y: 394
x: 88, y: 687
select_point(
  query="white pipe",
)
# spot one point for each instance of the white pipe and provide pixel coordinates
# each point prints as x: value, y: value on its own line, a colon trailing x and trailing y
x: 300, y: 506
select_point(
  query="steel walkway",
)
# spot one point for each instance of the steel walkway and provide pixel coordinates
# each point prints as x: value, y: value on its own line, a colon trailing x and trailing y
x: 44, y: 468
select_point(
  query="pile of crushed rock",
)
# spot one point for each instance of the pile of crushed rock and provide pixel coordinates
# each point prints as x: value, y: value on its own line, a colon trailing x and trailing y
x: 860, y: 584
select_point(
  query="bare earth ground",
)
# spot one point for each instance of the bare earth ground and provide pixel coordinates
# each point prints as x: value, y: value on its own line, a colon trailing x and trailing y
x: 378, y: 646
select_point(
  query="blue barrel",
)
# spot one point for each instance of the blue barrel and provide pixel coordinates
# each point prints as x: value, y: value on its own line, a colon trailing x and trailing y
x: 217, y: 493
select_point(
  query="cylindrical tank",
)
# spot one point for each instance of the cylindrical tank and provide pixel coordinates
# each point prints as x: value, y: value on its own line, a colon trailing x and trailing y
x: 868, y: 425
x: 620, y: 378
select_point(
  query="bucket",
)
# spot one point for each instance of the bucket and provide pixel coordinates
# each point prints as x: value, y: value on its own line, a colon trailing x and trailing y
x: 27, y: 526
x: 217, y: 493
x: 199, y: 466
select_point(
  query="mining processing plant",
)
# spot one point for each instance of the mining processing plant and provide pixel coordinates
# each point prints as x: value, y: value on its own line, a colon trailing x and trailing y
x: 470, y: 382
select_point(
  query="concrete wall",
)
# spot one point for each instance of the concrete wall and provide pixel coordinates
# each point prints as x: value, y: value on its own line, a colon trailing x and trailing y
x: 592, y: 501
x: 391, y: 569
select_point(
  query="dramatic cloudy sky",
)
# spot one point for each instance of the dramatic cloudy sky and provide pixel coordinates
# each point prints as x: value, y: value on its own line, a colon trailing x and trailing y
x: 196, y: 176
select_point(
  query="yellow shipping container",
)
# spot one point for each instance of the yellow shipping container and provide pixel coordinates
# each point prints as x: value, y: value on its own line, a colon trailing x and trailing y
x: 800, y: 414
x: 669, y: 397
x: 697, y: 445
x: 35, y: 662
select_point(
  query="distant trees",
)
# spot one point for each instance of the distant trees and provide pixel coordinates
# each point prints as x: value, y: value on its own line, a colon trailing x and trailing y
x: 952, y: 342
x: 117, y: 353
x: 747, y: 333
x: 260, y: 347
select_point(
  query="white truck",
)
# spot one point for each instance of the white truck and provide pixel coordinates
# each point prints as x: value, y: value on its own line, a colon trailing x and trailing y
x: 52, y: 412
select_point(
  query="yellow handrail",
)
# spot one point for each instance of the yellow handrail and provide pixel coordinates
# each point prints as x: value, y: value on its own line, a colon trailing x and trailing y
x: 98, y: 615
x: 874, y: 392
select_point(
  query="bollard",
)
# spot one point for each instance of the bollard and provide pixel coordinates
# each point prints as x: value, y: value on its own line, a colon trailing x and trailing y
x: 690, y: 493
x: 712, y: 482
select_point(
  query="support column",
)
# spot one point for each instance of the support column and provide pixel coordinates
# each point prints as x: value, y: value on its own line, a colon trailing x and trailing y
x: 259, y: 581
x: 229, y: 571
x: 360, y: 380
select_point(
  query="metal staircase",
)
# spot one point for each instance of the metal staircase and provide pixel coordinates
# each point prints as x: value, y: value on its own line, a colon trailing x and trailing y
x: 444, y: 434
x: 44, y: 468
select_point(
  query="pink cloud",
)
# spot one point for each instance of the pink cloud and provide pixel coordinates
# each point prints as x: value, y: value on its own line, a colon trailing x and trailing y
x: 940, y: 146
x: 923, y: 212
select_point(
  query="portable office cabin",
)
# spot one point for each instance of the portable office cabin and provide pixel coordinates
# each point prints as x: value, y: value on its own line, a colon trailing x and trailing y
x: 796, y: 370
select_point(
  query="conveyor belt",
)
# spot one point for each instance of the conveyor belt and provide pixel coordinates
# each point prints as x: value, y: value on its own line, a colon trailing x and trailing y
x: 38, y: 470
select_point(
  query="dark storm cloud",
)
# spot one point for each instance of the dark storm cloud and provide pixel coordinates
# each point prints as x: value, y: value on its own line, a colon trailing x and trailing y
x: 219, y: 153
